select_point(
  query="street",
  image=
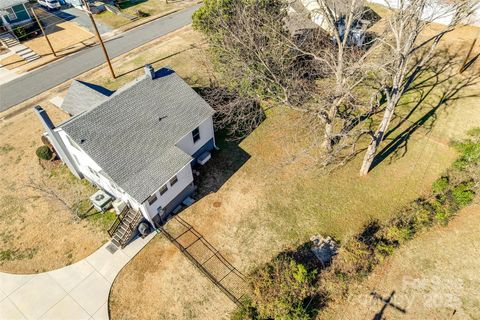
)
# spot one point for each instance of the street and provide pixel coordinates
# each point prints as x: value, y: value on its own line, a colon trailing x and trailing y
x: 53, y: 74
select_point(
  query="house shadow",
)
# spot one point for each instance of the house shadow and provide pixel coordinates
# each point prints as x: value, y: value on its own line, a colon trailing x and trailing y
x: 130, y: 3
x: 224, y: 163
x: 235, y: 118
x: 62, y: 16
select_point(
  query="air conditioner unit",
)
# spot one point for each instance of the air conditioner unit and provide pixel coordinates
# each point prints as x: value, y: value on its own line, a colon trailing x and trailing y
x: 203, y: 158
x: 101, y: 200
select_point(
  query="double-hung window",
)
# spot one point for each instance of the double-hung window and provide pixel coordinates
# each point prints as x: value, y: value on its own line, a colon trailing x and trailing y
x: 11, y: 14
x: 196, y: 134
x: 163, y: 190
x: 152, y: 199
x: 173, y: 180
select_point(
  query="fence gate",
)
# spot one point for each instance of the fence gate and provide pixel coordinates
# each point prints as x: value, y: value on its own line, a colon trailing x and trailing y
x: 206, y: 258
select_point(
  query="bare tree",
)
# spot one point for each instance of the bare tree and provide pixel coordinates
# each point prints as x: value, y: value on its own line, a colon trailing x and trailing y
x: 238, y: 115
x: 402, y: 41
x: 319, y: 72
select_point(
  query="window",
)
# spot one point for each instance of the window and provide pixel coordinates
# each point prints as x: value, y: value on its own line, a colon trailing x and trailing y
x: 11, y: 14
x: 152, y: 199
x: 173, y: 180
x: 196, y: 134
x: 163, y: 190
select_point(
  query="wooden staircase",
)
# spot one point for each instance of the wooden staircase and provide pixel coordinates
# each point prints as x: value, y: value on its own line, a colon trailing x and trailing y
x: 124, y: 227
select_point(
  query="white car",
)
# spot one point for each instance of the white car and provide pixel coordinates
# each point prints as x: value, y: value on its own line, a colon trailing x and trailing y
x: 49, y: 4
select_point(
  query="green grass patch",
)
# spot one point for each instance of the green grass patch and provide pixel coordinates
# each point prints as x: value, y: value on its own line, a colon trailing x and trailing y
x: 102, y: 220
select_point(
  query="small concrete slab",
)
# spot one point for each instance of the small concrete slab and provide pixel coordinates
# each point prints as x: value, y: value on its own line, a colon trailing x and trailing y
x: 90, y: 294
x: 71, y: 276
x: 9, y: 311
x: 108, y: 264
x: 41, y: 291
x: 136, y: 245
x: 67, y: 308
x: 11, y: 282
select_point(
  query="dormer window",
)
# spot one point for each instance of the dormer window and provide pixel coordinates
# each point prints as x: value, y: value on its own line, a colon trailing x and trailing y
x: 196, y: 134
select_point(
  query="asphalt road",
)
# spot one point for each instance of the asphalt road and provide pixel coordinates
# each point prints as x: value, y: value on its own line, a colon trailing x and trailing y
x: 53, y: 74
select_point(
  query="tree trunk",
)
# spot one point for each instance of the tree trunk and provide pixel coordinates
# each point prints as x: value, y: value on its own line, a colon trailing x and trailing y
x: 327, y: 143
x: 377, y: 139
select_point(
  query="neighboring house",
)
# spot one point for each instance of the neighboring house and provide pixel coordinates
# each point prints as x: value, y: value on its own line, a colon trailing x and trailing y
x: 138, y: 144
x: 307, y: 15
x: 13, y: 13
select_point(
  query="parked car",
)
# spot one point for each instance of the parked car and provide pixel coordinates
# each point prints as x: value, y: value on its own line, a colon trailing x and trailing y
x: 49, y: 4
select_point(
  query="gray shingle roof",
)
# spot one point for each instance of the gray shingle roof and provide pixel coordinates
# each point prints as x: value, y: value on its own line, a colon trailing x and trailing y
x: 10, y: 3
x: 126, y: 138
x: 83, y: 96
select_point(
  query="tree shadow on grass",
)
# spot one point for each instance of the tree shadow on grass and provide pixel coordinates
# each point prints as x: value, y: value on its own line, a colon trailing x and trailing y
x: 432, y: 92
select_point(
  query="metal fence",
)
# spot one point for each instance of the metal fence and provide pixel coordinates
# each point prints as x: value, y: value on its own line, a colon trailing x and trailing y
x: 206, y: 258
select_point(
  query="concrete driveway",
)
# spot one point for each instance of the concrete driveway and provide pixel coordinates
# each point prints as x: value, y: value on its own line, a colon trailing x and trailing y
x: 78, y: 291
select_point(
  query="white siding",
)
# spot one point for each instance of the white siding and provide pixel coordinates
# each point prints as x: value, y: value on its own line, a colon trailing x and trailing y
x: 84, y: 162
x: 435, y: 12
x: 206, y: 133
x: 184, y: 176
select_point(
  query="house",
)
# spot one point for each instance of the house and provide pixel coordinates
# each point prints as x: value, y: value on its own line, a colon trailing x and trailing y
x: 138, y: 144
x: 308, y: 15
x: 13, y: 13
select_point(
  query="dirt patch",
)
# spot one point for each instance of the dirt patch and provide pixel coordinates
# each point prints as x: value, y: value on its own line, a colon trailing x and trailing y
x: 433, y: 277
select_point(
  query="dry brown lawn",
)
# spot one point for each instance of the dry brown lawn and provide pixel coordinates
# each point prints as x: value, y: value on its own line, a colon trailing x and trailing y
x: 271, y: 203
x: 37, y: 233
x: 266, y: 195
x: 67, y: 38
x: 434, y: 277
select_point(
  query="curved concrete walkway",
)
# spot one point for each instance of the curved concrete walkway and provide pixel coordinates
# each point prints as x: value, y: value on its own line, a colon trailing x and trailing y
x: 78, y: 291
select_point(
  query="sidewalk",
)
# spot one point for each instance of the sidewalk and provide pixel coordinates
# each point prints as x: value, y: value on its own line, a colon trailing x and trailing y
x: 78, y: 291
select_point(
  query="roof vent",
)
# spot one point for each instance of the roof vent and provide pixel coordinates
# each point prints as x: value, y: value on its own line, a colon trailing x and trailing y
x: 149, y: 71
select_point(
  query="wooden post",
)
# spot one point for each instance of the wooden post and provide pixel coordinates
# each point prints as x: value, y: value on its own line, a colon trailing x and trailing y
x: 44, y: 33
x: 87, y: 7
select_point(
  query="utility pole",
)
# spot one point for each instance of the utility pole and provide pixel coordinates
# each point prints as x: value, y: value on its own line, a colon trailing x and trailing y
x: 44, y: 33
x: 87, y: 8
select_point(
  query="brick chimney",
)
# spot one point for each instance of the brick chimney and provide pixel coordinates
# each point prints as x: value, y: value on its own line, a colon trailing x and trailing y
x: 57, y: 141
x: 149, y: 71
